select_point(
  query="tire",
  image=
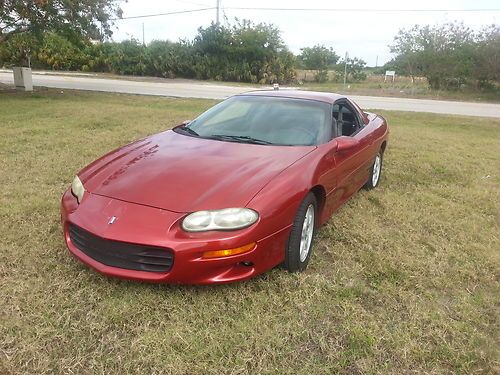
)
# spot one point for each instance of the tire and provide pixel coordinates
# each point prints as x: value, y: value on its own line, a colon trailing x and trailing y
x: 375, y: 172
x: 295, y: 259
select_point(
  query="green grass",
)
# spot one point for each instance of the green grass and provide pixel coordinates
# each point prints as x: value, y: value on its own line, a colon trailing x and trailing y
x: 405, y: 90
x: 403, y: 87
x: 404, y: 278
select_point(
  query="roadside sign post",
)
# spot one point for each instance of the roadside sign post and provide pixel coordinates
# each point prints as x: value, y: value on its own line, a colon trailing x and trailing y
x: 390, y: 73
x: 345, y: 68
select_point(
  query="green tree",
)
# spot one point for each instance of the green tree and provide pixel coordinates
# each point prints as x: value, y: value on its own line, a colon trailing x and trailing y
x: 128, y: 57
x: 58, y: 53
x: 90, y: 19
x: 243, y: 52
x: 407, y: 49
x: 18, y: 50
x: 354, y: 69
x: 280, y: 68
x: 258, y: 47
x: 98, y: 57
x: 486, y: 67
x: 211, y: 48
x: 169, y: 59
x: 318, y: 58
x: 443, y: 53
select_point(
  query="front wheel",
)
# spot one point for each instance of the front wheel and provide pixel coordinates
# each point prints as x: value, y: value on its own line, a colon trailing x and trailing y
x: 376, y: 171
x: 299, y: 249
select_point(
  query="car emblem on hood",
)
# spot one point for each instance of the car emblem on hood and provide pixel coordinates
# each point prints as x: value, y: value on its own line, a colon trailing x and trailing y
x: 112, y: 220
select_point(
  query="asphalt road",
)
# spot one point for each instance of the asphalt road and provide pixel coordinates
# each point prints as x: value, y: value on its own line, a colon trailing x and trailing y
x: 193, y: 89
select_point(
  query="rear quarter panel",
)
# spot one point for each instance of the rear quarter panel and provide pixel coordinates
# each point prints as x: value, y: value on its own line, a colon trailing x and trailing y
x: 379, y: 129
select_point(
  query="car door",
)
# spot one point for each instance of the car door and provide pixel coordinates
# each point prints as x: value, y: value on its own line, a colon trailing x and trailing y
x: 353, y: 153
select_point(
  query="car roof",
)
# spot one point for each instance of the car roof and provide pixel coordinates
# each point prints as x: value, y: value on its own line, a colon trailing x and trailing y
x: 326, y: 97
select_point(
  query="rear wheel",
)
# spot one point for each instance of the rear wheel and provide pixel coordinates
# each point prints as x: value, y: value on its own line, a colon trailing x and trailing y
x: 376, y: 171
x: 299, y: 249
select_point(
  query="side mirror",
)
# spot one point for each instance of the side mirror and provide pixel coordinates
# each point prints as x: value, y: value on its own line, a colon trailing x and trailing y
x: 346, y: 143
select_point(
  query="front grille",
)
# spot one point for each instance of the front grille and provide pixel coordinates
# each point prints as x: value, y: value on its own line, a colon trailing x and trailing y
x: 121, y: 254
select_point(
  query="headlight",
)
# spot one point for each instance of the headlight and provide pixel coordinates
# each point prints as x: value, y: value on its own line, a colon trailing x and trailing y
x: 77, y: 189
x: 226, y: 219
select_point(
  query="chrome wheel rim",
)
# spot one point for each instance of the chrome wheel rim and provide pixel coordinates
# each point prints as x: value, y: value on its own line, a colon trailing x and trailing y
x: 376, y: 170
x: 307, y: 233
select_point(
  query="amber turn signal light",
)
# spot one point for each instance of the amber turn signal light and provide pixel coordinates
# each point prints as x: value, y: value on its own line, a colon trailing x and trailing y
x: 228, y: 252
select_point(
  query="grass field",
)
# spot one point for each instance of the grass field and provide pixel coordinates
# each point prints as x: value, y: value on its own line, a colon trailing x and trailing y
x: 374, y: 85
x: 404, y: 278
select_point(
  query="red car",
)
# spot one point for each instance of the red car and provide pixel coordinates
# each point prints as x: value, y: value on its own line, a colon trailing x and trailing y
x: 227, y: 196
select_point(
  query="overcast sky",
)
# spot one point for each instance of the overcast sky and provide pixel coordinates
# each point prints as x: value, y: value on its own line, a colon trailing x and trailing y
x: 361, y: 34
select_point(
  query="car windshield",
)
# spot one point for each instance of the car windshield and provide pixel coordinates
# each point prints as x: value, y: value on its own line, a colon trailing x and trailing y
x: 265, y: 120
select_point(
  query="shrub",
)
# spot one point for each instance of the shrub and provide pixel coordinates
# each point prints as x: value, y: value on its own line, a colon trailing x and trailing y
x: 244, y: 52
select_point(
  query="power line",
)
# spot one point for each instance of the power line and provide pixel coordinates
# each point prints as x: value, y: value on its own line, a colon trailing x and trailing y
x: 162, y: 14
x: 362, y: 10
x: 192, y: 3
x: 307, y: 10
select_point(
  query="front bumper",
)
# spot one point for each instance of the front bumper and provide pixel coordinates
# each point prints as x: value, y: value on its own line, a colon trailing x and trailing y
x: 137, y: 224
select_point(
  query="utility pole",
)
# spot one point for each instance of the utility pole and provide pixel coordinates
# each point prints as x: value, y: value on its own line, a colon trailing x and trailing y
x: 345, y: 67
x: 143, y: 39
x: 376, y: 62
x: 218, y: 11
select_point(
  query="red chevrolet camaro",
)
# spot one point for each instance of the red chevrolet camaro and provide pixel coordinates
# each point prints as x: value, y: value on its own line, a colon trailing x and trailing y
x: 227, y: 196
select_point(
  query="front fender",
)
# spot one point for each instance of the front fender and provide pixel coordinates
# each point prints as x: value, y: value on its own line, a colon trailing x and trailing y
x: 278, y: 201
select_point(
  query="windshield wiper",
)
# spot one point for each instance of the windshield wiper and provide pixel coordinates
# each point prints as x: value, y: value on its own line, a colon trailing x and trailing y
x: 240, y: 138
x: 189, y: 131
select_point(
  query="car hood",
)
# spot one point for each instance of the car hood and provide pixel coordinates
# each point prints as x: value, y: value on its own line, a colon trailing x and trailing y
x: 185, y: 174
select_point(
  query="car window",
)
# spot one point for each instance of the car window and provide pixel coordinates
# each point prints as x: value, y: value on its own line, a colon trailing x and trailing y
x: 274, y: 120
x: 335, y: 111
x: 348, y: 122
x: 236, y: 109
x: 336, y: 125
